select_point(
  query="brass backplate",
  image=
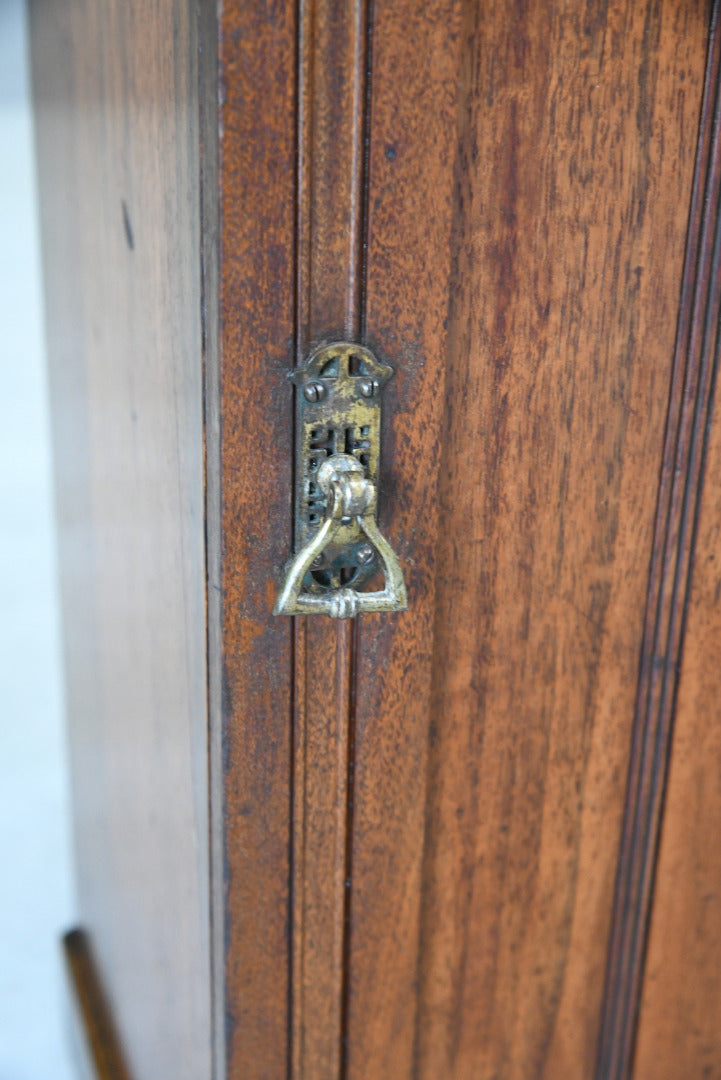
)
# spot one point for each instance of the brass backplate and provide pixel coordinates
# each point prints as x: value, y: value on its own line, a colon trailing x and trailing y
x: 338, y: 412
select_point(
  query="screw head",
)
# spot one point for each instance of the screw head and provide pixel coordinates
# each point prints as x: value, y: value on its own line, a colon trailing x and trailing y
x: 364, y: 555
x: 368, y: 387
x: 314, y: 391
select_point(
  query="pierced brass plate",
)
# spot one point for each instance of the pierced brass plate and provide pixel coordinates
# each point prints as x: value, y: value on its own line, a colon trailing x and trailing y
x: 338, y: 431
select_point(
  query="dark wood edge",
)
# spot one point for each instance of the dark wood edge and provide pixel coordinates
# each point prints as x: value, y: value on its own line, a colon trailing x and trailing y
x: 347, y: 635
x: 95, y: 1033
x: 361, y: 258
x: 690, y: 405
x: 208, y: 79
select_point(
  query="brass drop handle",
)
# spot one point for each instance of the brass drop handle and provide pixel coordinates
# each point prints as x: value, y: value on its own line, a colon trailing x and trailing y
x: 351, y: 505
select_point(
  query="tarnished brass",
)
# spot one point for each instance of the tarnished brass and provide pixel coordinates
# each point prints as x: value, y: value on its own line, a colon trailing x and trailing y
x: 351, y: 500
x: 339, y: 546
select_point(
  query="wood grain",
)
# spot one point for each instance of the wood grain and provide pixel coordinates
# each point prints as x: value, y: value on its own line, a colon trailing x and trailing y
x: 566, y: 175
x: 681, y: 1001
x: 116, y: 112
x: 302, y: 277
x: 250, y: 448
x: 573, y: 238
x: 414, y: 819
x: 329, y: 306
x: 414, y: 75
x: 689, y: 405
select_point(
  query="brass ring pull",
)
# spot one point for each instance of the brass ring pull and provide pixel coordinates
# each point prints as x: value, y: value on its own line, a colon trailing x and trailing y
x: 351, y: 500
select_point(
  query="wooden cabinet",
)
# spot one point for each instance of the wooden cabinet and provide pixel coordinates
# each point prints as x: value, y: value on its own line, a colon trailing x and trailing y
x: 443, y: 844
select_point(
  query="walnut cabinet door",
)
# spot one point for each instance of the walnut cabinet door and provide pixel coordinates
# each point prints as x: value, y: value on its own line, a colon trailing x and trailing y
x: 472, y: 840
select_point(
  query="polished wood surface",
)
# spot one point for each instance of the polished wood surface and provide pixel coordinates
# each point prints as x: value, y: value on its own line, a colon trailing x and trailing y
x: 572, y: 163
x: 414, y: 846
x: 118, y: 153
x: 679, y: 1031
x: 690, y: 399
x: 250, y: 454
x: 330, y: 238
x: 412, y: 166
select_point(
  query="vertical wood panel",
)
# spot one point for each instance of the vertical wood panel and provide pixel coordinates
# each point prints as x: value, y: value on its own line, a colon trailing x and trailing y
x: 118, y: 159
x: 681, y: 1002
x: 412, y: 143
x: 571, y: 155
x: 577, y: 137
x: 679, y: 1030
x: 329, y: 306
x: 667, y: 597
x: 249, y: 528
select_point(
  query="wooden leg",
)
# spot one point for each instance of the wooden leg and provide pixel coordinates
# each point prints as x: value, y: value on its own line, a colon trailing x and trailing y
x: 94, y: 1033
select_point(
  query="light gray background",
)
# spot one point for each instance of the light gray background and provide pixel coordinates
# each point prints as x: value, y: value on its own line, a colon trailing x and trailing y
x: 36, y: 902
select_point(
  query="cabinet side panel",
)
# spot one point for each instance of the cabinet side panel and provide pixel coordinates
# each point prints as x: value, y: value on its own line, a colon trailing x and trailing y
x: 118, y: 155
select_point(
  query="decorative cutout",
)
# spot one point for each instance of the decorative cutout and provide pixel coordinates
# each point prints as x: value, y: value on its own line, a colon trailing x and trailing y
x: 338, y: 410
